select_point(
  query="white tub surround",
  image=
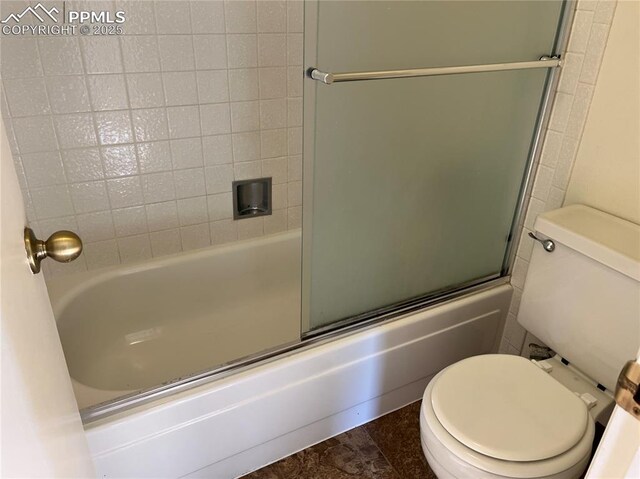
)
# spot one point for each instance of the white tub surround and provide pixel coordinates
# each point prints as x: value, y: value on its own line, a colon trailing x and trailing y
x: 132, y: 327
x: 237, y: 424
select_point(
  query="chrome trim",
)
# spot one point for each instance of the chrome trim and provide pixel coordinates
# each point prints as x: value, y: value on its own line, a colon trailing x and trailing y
x: 517, y: 227
x: 330, y: 78
x: 139, y: 398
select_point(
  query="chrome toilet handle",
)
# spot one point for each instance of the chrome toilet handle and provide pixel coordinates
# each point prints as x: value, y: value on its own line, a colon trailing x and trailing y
x: 548, y: 245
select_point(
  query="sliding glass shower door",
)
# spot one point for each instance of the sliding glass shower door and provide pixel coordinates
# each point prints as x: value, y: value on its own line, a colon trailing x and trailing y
x: 411, y: 185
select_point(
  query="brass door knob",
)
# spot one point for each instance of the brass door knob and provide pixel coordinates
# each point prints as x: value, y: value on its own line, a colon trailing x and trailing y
x: 63, y: 246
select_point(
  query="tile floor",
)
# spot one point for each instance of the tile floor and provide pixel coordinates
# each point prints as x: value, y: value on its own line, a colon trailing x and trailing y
x: 387, y: 448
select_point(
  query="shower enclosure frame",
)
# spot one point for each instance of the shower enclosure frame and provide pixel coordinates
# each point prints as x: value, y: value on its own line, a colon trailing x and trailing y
x: 359, y: 323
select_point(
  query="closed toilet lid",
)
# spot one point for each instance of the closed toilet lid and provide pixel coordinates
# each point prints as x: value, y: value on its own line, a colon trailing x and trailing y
x: 507, y: 408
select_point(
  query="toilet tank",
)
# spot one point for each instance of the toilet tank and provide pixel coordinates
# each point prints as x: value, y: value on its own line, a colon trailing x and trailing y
x: 583, y: 299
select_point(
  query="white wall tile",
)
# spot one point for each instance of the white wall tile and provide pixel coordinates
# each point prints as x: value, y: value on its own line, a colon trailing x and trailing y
x: 207, y: 17
x: 43, y: 169
x: 242, y: 50
x: 217, y: 150
x: 195, y: 237
x: 250, y: 228
x: 130, y: 221
x: 571, y: 68
x: 68, y: 94
x: 35, y: 134
x: 186, y: 153
x: 276, y: 168
x: 140, y: 53
x: 19, y: 58
x: 213, y: 86
x: 193, y: 211
x: 210, y: 51
x: 295, y: 168
x: 272, y: 50
x: 101, y: 254
x: 295, y: 75
x: 272, y: 16
x: 154, y: 157
x: 218, y: 179
x: 96, y: 226
x: 220, y: 206
x: 295, y: 15
x: 60, y: 55
x: 579, y: 110
x: 27, y: 97
x: 273, y: 83
x: 223, y: 231
x: 158, y: 187
x: 246, y: 146
x: 101, y: 54
x: 88, y: 197
x: 180, y: 88
x: 294, y: 111
x: 604, y: 11
x: 245, y: 116
x: 294, y: 217
x: 294, y: 193
x: 134, y: 248
x: 294, y: 141
x: 166, y: 242
x: 107, y: 92
x: 172, y: 17
x: 240, y: 17
x: 189, y: 183
x: 580, y: 31
x: 113, y: 127
x: 82, y: 165
x: 276, y: 222
x: 295, y: 48
x: 162, y: 216
x: 52, y: 201
x: 247, y: 170
x: 216, y: 119
x: 593, y: 55
x: 273, y: 113
x: 184, y: 121
x: 243, y: 84
x: 150, y: 124
x: 119, y: 161
x: 273, y: 143
x: 140, y: 16
x: 176, y: 53
x: 145, y: 90
x: 560, y: 112
x: 125, y: 192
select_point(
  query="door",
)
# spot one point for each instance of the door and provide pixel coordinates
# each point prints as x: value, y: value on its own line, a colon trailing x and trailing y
x: 42, y: 435
x: 618, y: 454
x: 418, y: 140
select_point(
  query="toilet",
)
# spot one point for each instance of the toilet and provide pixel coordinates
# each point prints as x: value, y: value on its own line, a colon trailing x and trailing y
x: 504, y: 416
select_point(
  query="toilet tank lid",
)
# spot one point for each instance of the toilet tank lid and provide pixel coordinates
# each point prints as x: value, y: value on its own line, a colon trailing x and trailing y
x: 605, y: 238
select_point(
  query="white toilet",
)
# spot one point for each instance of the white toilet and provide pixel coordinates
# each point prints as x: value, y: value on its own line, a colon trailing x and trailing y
x: 502, y: 416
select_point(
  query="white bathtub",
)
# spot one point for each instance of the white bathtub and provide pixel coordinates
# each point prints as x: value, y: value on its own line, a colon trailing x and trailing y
x: 136, y: 326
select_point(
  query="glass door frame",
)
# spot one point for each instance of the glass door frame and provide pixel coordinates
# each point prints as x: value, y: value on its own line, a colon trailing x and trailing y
x: 403, y: 307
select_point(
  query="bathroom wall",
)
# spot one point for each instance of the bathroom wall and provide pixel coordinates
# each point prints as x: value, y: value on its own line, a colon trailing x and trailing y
x: 606, y: 174
x: 580, y: 73
x: 133, y: 140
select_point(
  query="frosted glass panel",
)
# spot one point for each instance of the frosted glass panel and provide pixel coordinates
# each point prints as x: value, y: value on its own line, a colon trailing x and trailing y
x: 412, y: 184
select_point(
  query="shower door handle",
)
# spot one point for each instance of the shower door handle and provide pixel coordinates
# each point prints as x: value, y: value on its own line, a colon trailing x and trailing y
x: 329, y: 78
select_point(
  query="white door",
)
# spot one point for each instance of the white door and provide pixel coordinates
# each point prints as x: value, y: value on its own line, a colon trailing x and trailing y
x: 42, y: 435
x: 618, y: 454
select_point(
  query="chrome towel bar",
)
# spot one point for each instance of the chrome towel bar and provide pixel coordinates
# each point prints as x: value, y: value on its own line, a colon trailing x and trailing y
x: 329, y: 78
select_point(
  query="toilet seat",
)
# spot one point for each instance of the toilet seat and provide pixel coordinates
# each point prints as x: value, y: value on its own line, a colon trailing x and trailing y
x: 507, y: 408
x: 455, y: 457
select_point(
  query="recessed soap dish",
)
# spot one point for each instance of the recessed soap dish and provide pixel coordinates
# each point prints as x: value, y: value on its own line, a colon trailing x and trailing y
x: 251, y: 198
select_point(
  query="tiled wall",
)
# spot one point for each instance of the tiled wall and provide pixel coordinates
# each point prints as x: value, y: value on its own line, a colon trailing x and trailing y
x: 133, y: 141
x: 579, y: 74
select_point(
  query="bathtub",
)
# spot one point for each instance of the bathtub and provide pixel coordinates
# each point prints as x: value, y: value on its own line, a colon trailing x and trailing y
x: 130, y: 327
